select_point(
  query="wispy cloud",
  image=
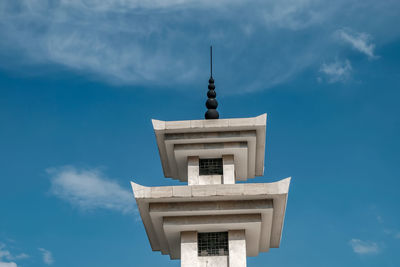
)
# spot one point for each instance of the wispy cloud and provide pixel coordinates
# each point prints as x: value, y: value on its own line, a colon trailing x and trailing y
x: 47, y: 256
x: 7, y: 258
x: 337, y: 71
x: 5, y: 255
x: 362, y: 42
x: 364, y: 247
x: 393, y: 233
x: 89, y: 189
x: 163, y: 43
x: 20, y: 256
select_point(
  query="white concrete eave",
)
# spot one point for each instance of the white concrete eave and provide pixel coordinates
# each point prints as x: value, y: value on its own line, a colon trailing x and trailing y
x: 172, y: 135
x: 162, y: 210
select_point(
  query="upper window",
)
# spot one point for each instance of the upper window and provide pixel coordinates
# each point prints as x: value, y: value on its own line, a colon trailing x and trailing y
x: 212, y: 244
x: 211, y: 166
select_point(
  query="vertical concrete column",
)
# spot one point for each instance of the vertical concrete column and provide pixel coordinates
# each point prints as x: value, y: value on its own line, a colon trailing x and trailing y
x: 188, y: 249
x: 229, y: 169
x: 237, y: 248
x: 193, y: 170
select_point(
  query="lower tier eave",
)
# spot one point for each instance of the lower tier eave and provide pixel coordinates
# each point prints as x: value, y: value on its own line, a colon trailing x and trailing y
x: 157, y: 204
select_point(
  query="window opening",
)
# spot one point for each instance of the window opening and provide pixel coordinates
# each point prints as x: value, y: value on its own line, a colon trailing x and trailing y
x: 211, y: 166
x: 212, y: 244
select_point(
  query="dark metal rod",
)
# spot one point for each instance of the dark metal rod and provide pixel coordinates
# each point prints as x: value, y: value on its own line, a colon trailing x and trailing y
x: 210, y: 61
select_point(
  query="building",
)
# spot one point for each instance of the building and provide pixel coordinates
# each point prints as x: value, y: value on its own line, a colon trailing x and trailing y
x: 213, y: 220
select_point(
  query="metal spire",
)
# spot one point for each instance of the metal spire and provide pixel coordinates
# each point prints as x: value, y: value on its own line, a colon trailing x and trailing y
x: 210, y: 61
x: 211, y: 103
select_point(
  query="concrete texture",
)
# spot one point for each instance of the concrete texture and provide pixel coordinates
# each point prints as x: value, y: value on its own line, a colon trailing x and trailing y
x: 188, y: 248
x: 252, y: 223
x: 175, y: 140
x: 229, y: 169
x: 239, y: 150
x: 189, y: 258
x: 237, y: 248
x: 158, y: 205
x: 194, y: 178
x: 193, y: 170
x: 212, y: 261
x: 252, y: 214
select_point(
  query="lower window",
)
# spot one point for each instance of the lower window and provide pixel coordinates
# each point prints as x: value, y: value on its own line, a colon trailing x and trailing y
x: 212, y: 244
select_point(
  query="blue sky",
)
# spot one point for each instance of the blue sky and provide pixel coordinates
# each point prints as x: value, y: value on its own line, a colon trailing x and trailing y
x: 80, y: 81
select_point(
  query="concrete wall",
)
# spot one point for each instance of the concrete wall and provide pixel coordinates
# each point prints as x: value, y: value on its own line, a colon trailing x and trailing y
x: 194, y: 178
x: 210, y: 179
x: 236, y: 258
x: 237, y: 248
x: 229, y: 169
x: 189, y: 249
x: 193, y: 170
x: 212, y: 261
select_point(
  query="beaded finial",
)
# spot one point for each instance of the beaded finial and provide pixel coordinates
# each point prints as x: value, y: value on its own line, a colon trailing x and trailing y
x: 211, y: 103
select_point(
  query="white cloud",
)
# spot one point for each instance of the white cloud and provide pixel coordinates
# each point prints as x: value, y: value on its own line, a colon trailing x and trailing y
x: 364, y: 247
x: 359, y: 41
x: 132, y: 4
x: 20, y: 256
x: 89, y: 189
x: 8, y: 264
x: 337, y: 71
x: 294, y: 14
x: 47, y: 256
x: 165, y: 43
x: 7, y: 258
x: 4, y: 254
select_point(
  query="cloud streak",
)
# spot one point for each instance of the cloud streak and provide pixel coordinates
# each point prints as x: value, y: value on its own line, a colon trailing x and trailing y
x: 364, y: 247
x: 163, y: 43
x: 6, y: 255
x: 393, y: 233
x: 337, y: 71
x: 7, y: 259
x: 359, y: 41
x: 89, y: 189
x: 47, y: 256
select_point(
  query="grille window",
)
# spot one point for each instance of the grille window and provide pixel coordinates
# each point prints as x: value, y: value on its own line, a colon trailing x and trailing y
x: 211, y: 166
x: 212, y: 244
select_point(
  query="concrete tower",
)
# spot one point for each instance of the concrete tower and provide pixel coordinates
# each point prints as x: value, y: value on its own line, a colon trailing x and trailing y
x: 213, y: 220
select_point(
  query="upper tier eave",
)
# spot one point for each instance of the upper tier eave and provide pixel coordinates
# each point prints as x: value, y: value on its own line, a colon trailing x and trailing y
x: 239, y: 126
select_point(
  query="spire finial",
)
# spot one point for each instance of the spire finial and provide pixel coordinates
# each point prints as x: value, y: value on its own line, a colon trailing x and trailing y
x: 210, y: 61
x: 211, y: 103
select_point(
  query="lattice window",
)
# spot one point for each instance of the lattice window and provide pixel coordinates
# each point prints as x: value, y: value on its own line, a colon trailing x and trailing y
x: 212, y: 244
x: 211, y: 166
